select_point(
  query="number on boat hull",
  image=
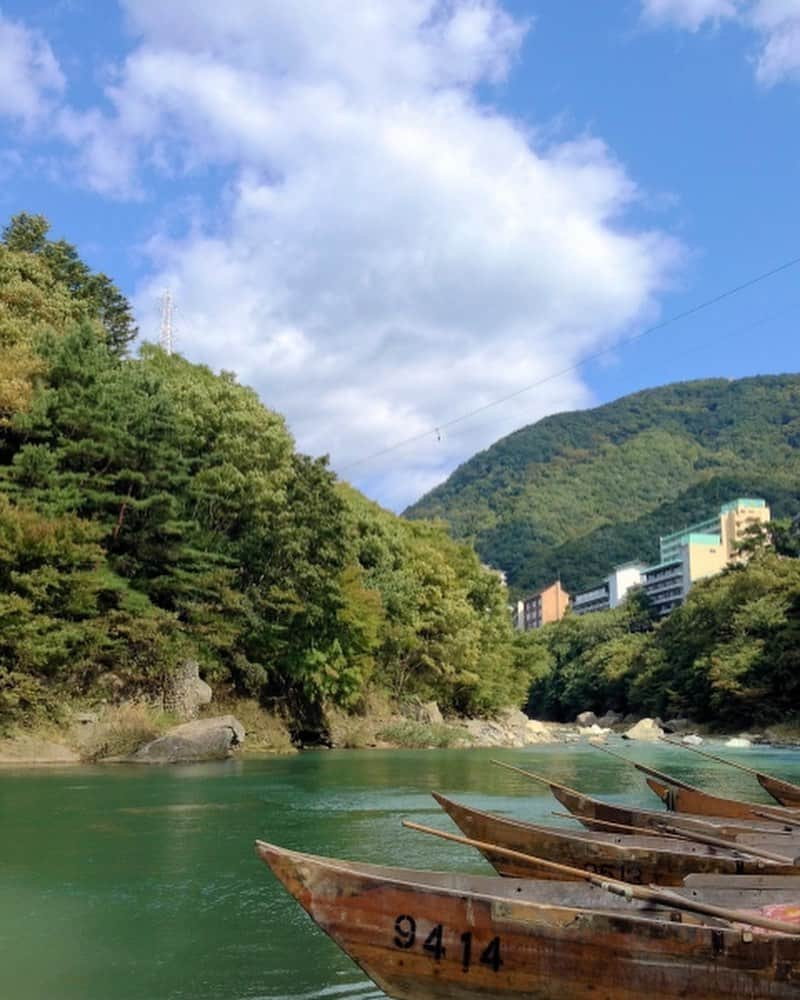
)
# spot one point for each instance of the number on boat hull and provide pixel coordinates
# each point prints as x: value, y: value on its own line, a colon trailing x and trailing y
x: 405, y: 936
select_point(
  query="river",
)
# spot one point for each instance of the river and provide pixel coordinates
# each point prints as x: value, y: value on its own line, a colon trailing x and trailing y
x: 122, y: 883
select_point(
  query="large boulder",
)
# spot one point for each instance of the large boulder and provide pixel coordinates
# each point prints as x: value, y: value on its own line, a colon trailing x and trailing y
x: 647, y: 730
x: 586, y: 719
x: 609, y: 719
x: 739, y: 742
x: 203, y: 739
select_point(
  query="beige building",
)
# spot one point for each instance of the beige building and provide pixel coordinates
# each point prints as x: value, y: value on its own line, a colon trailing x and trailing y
x: 700, y: 551
x: 736, y: 518
x: 545, y: 606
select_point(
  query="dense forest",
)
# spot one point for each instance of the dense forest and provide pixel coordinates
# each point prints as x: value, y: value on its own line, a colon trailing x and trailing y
x: 730, y: 656
x: 577, y: 493
x: 152, y: 511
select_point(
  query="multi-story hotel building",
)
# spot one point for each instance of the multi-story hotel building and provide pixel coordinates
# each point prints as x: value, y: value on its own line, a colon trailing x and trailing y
x: 699, y: 551
x: 611, y: 592
x: 693, y: 553
x: 545, y: 606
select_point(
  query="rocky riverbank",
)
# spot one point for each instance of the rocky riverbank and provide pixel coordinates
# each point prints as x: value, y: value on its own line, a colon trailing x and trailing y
x: 140, y: 734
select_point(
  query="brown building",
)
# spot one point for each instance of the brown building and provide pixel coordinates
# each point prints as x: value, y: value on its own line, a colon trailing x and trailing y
x: 545, y: 606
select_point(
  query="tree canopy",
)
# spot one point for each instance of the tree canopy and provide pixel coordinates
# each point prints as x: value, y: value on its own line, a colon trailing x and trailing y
x: 151, y: 511
x: 729, y: 656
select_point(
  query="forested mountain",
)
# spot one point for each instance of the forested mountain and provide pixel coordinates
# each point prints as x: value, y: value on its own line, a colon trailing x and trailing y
x: 577, y: 493
x: 152, y: 511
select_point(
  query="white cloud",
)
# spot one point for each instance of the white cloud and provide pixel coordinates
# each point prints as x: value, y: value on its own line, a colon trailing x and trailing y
x: 776, y: 24
x: 29, y: 73
x: 691, y: 14
x: 390, y: 251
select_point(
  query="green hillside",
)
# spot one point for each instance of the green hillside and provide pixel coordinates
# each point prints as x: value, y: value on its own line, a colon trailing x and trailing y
x: 153, y: 512
x: 577, y: 493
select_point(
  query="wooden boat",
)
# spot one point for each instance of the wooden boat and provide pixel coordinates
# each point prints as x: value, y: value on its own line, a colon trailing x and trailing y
x: 678, y: 796
x: 640, y: 860
x: 425, y: 936
x: 784, y: 792
x: 596, y: 813
x: 683, y: 798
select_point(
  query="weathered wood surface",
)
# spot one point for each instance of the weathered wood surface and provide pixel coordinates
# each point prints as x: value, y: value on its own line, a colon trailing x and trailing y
x: 732, y: 883
x: 589, y: 810
x: 585, y: 808
x: 686, y: 799
x: 782, y: 791
x: 423, y: 941
x: 639, y: 860
x: 682, y: 797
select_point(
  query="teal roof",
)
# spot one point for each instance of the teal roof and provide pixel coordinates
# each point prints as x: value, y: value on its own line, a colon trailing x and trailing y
x: 701, y: 526
x: 700, y: 538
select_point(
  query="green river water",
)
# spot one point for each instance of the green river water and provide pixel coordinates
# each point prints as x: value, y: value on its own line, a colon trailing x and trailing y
x: 118, y: 883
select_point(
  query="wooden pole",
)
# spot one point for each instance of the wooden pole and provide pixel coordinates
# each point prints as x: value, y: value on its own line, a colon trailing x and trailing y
x: 616, y: 886
x: 648, y: 831
x: 794, y: 823
x: 723, y: 760
x: 661, y: 775
x: 667, y: 830
x: 536, y: 777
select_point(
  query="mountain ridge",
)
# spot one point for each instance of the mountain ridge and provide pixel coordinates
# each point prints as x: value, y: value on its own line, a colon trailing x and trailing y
x: 578, y: 492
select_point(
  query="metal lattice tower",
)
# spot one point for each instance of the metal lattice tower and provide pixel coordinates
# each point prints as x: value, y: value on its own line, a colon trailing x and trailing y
x: 167, y: 331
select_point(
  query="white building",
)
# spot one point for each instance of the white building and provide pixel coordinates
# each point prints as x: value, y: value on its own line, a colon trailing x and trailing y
x: 611, y: 592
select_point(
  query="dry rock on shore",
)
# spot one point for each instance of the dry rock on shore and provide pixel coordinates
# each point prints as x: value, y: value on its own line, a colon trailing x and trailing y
x: 511, y: 729
x: 647, y: 730
x: 203, y: 739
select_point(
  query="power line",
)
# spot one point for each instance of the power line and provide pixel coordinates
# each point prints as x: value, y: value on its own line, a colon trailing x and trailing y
x: 677, y: 317
x: 788, y: 309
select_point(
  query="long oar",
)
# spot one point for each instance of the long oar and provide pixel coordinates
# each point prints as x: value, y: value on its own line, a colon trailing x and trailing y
x: 760, y: 775
x: 536, y: 777
x: 661, y: 775
x: 778, y: 812
x: 616, y: 886
x: 712, y: 756
x: 648, y: 831
x: 785, y: 820
x: 666, y: 830
x: 696, y: 822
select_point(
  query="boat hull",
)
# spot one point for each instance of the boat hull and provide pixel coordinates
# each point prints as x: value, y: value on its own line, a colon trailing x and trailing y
x: 424, y: 942
x: 639, y: 860
x: 782, y: 791
x: 685, y: 799
x: 593, y: 812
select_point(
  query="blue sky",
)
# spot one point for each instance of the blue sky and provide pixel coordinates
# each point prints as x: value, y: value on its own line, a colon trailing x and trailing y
x: 388, y: 213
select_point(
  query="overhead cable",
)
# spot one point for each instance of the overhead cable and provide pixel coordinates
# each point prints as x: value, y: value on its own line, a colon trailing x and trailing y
x: 677, y: 317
